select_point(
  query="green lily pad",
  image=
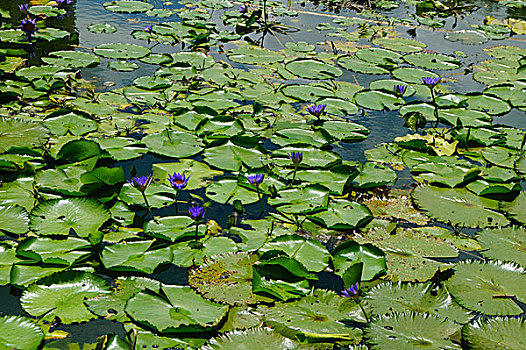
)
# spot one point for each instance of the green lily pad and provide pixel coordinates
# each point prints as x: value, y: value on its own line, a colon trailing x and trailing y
x: 310, y: 253
x: 173, y: 144
x: 71, y: 59
x: 226, y: 278
x: 468, y: 37
x: 121, y: 50
x: 458, y: 207
x: 496, y: 333
x: 517, y: 208
x: 316, y: 317
x: 377, y: 100
x: 71, y: 123
x: 313, y: 69
x: 407, y: 252
x: 226, y: 191
x: 59, y: 216
x: 342, y: 215
x: 489, y: 288
x: 111, y: 306
x: 412, y: 330
x: 373, y: 175
x: 301, y: 200
x: 232, y: 155
x: 121, y: 148
x: 350, y: 253
x: 127, y: 6
x: 425, y: 298
x: 170, y: 228
x: 53, y: 251
x: 400, y: 44
x: 358, y: 65
x: 123, y: 66
x: 182, y: 310
x: 20, y: 133
x: 13, y: 219
x: 47, y: 11
x: 18, y: 330
x: 412, y: 75
x: 251, y: 339
x: 102, y: 28
x: 158, y: 196
x: 134, y: 256
x: 255, y: 55
x: 432, y: 61
x: 312, y: 157
x: 62, y: 296
x: 505, y: 244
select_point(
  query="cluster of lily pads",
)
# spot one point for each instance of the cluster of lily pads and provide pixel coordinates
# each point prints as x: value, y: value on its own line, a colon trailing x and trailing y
x: 238, y: 183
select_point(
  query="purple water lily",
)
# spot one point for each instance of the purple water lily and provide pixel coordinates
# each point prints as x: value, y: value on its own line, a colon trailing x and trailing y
x: 197, y: 212
x: 178, y: 181
x: 351, y: 291
x: 296, y: 158
x: 64, y: 3
x: 243, y: 9
x: 256, y: 179
x: 317, y: 110
x: 141, y: 182
x: 430, y: 82
x: 148, y: 29
x: 29, y: 26
x: 399, y: 90
x: 24, y: 8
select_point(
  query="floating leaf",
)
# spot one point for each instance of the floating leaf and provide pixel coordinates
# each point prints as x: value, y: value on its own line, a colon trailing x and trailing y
x: 183, y: 310
x: 59, y: 216
x: 505, y: 244
x: 226, y: 278
x: 21, y: 133
x: 458, y: 207
x: 134, y: 256
x: 408, y: 331
x: 121, y: 50
x: 251, y: 339
x: 62, y: 296
x: 425, y: 298
x: 342, y: 215
x: 73, y: 59
x: 18, y: 330
x: 127, y: 6
x: 313, y: 69
x: 496, y: 333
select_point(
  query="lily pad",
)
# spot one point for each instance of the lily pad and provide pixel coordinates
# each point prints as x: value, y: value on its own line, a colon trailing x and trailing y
x: 182, y: 310
x: 59, y: 216
x: 226, y: 278
x: 62, y: 296
x: 497, y: 333
x: 21, y: 133
x: 121, y: 50
x: 173, y: 144
x: 458, y: 207
x: 489, y: 288
x: 342, y: 215
x: 313, y: 69
x: 505, y: 244
x: 408, y: 331
x: 71, y: 59
x: 425, y: 298
x: 13, y: 219
x: 127, y: 6
x: 18, y: 330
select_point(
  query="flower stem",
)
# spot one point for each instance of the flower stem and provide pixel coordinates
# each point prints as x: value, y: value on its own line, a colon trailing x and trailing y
x: 175, y: 200
x: 145, y: 201
x: 434, y: 105
x: 363, y: 310
x: 260, y: 203
x: 196, y: 231
x: 294, y: 175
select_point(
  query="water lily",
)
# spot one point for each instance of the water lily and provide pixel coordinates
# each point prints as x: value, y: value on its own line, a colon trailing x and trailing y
x: 430, y: 82
x: 352, y: 291
x: 148, y: 29
x: 317, y: 110
x: 296, y: 158
x: 197, y: 212
x: 24, y: 8
x: 141, y: 183
x: 178, y: 181
x: 29, y: 26
x: 64, y: 3
x: 399, y: 90
x: 243, y: 9
x: 256, y: 179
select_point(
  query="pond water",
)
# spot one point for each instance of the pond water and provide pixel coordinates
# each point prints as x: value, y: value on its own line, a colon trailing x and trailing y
x: 405, y: 187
